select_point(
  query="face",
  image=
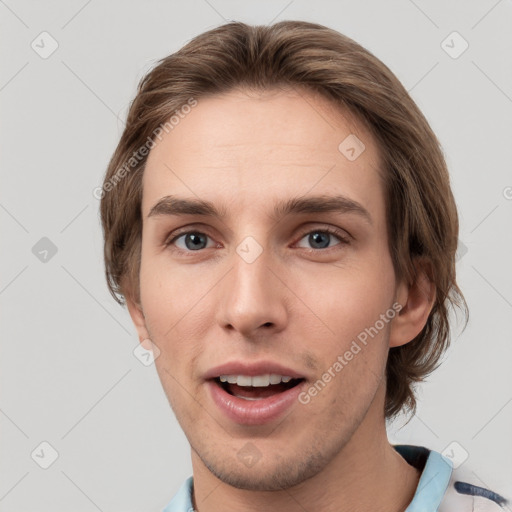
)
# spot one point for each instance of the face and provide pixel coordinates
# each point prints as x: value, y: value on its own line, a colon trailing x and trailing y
x: 257, y: 295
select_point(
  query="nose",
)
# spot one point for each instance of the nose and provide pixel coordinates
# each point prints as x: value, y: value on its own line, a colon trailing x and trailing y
x: 252, y: 297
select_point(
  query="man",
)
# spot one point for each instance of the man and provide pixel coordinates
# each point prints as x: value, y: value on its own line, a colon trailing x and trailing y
x: 279, y: 220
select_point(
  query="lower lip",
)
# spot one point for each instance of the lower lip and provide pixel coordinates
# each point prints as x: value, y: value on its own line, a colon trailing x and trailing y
x: 254, y: 412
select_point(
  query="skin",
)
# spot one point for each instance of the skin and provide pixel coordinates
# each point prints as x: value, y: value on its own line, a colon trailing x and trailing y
x: 297, y: 304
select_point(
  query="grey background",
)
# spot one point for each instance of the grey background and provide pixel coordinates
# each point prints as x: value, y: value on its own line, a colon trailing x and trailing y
x: 68, y: 373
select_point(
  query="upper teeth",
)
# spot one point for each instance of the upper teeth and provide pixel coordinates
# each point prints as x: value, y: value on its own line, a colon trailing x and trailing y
x: 256, y: 380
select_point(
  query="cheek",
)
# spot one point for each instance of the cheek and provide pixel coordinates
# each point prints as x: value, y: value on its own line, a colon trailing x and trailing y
x: 170, y: 294
x: 178, y: 315
x: 352, y: 341
x: 352, y: 354
x: 345, y: 301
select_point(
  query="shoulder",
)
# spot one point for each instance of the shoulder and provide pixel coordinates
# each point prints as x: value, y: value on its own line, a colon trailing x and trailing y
x: 182, y: 501
x: 444, y: 487
x: 465, y: 492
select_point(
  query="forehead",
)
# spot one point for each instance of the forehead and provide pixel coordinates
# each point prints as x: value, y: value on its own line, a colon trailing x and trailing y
x: 272, y: 143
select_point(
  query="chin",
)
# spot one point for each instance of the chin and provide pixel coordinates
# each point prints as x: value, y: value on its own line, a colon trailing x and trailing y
x: 274, y: 475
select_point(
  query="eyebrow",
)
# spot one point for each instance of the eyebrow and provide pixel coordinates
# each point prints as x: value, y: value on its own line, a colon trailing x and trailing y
x: 172, y: 205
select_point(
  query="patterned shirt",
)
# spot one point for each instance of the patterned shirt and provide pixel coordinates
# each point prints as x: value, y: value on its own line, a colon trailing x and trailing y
x: 440, y: 488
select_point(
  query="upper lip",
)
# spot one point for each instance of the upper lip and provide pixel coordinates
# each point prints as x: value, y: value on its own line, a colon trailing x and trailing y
x: 251, y: 369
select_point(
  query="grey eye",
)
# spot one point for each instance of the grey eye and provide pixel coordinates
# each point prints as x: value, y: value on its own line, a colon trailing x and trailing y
x: 319, y: 239
x: 194, y: 241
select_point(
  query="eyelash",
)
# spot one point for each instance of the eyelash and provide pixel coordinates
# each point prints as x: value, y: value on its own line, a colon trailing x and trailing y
x: 340, y: 235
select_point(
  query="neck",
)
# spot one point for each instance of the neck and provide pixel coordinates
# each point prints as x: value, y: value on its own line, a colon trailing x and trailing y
x: 367, y: 474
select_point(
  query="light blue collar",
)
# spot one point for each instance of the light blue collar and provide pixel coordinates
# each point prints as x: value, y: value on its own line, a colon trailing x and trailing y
x: 433, y: 483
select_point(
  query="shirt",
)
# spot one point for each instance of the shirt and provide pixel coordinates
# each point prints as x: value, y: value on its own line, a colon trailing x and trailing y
x: 440, y: 488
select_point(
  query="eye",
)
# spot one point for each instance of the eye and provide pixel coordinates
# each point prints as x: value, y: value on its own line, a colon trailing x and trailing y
x: 192, y: 241
x: 321, y: 238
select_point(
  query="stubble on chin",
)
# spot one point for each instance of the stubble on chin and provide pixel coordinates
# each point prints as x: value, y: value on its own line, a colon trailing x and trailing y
x: 274, y: 475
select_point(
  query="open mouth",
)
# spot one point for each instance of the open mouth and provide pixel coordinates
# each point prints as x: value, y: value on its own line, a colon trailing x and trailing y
x: 253, y: 398
x: 256, y: 387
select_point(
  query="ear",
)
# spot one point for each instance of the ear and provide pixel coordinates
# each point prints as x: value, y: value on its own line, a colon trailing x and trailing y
x: 137, y: 315
x: 417, y: 300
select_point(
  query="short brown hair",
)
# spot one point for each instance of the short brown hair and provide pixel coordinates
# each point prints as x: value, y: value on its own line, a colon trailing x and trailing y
x: 421, y: 212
